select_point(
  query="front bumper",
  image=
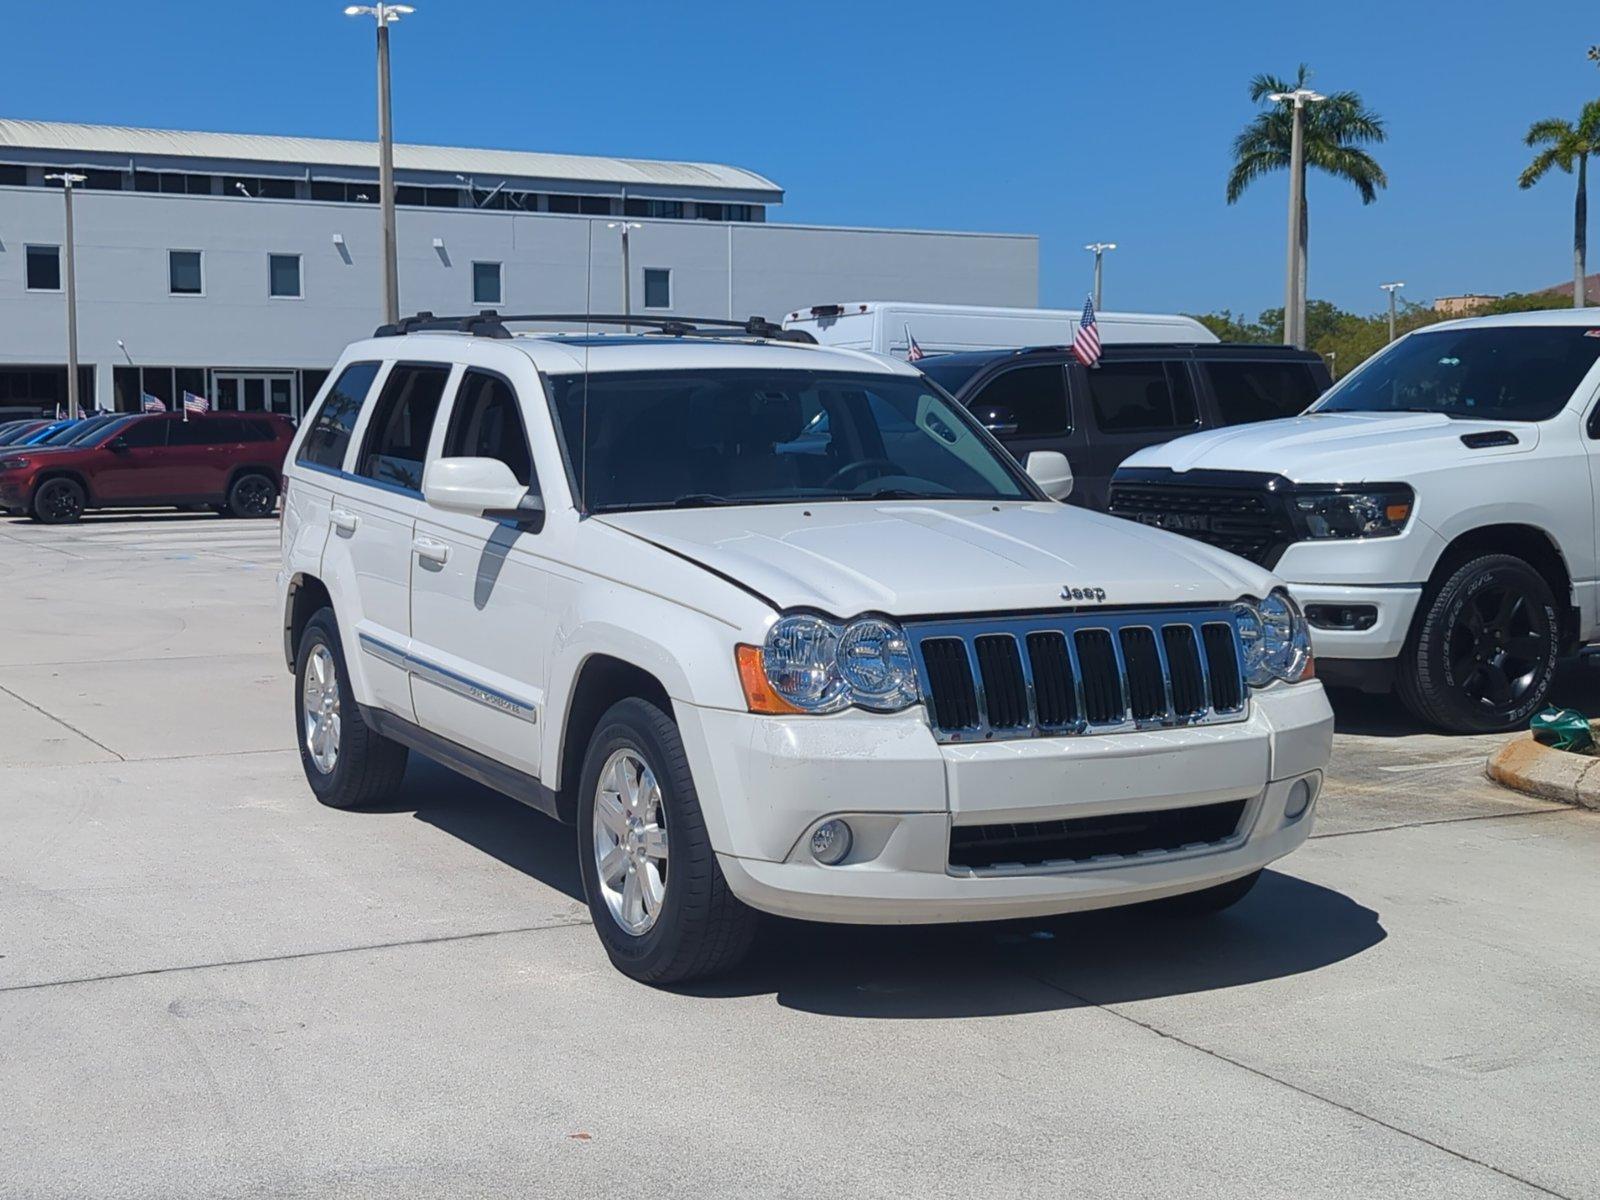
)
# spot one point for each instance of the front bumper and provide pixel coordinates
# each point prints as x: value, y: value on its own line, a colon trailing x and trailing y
x: 1386, y: 638
x: 765, y: 783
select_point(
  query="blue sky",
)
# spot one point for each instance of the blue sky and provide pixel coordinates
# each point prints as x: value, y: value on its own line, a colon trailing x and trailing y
x: 1074, y: 121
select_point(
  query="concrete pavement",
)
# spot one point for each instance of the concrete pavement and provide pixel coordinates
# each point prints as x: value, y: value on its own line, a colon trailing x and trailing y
x: 212, y: 986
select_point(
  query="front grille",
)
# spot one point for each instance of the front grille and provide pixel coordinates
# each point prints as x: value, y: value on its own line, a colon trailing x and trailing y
x: 1247, y: 519
x: 1083, y: 840
x: 1077, y: 673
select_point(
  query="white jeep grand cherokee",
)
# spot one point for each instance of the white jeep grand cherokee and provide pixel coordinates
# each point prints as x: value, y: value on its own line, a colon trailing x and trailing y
x: 781, y: 628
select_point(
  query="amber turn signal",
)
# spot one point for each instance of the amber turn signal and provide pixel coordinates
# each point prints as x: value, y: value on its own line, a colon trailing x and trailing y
x: 758, y: 693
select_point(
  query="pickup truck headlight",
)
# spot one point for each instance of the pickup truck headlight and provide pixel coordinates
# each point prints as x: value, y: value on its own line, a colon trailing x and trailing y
x: 809, y: 664
x: 1276, y: 638
x: 1374, y: 510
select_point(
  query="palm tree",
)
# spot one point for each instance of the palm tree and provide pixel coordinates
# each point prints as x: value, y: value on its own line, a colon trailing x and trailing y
x: 1334, y: 131
x: 1565, y: 144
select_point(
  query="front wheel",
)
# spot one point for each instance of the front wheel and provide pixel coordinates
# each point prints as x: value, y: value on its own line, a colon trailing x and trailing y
x: 58, y: 501
x: 660, y: 904
x: 1482, y: 657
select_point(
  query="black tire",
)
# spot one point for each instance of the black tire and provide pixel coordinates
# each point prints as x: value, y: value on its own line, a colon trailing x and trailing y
x: 1208, y: 900
x: 368, y: 767
x: 701, y: 929
x: 58, y: 501
x: 254, y: 494
x: 1482, y: 653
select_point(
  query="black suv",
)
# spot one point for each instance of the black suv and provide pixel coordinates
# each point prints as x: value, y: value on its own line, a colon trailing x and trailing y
x: 1042, y: 398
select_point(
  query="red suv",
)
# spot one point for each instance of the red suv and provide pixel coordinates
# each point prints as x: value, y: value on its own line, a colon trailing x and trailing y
x: 229, y: 461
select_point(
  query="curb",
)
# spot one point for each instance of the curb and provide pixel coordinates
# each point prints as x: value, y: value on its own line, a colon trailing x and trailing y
x: 1524, y: 765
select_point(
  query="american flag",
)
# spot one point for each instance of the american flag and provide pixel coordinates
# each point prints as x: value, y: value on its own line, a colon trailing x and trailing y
x: 195, y: 404
x: 1086, y: 342
x: 913, y: 351
x: 149, y: 403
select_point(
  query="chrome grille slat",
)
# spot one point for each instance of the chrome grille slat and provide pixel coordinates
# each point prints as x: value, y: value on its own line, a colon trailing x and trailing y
x: 1109, y: 656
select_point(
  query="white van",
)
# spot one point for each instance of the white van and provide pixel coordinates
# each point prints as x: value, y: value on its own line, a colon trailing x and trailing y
x: 882, y: 325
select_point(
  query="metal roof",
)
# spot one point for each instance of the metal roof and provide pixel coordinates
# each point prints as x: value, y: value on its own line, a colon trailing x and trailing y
x: 327, y: 152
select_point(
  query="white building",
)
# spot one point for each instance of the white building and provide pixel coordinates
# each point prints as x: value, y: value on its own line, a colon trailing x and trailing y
x: 238, y: 266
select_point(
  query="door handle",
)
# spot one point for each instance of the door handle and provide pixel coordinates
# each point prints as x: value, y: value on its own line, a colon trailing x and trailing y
x: 431, y: 551
x: 344, y: 522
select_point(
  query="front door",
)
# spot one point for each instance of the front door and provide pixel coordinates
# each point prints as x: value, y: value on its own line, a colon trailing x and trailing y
x: 472, y: 580
x: 138, y: 466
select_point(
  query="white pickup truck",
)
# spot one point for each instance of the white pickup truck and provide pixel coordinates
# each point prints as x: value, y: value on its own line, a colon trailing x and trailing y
x: 781, y: 628
x: 1434, y: 513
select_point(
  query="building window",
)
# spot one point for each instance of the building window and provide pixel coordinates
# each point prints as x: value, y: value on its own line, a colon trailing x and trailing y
x: 657, y: 287
x: 486, y: 287
x: 183, y: 273
x: 283, y: 276
x: 13, y: 174
x: 44, y: 268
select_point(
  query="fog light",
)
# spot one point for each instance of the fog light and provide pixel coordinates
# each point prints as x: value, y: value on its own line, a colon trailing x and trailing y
x: 1299, y: 799
x: 831, y: 842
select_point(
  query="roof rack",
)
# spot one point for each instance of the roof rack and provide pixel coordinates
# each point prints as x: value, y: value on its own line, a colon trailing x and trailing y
x: 491, y: 324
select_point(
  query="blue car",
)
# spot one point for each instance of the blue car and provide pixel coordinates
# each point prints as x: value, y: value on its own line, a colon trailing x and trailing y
x: 39, y: 435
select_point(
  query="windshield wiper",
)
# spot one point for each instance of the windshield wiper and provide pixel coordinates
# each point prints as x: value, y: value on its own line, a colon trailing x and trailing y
x: 894, y: 494
x: 702, y: 500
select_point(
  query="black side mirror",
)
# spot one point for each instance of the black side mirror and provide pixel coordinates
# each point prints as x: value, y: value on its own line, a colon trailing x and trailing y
x: 118, y: 444
x: 997, y: 419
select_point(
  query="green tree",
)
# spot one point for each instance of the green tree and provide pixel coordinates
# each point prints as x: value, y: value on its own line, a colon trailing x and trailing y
x: 1335, y: 130
x: 1565, y: 146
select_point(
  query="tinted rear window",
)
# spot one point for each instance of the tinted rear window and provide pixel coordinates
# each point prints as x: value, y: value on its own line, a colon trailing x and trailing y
x: 329, y: 436
x: 1141, y: 397
x: 1260, y: 391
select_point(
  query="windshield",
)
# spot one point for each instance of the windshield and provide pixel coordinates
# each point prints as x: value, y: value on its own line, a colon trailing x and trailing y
x: 1504, y: 373
x: 691, y: 439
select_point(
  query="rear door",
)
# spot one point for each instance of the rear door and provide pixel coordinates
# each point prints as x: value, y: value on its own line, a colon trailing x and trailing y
x: 372, y: 517
x: 198, y: 451
x: 1129, y: 402
x: 473, y: 581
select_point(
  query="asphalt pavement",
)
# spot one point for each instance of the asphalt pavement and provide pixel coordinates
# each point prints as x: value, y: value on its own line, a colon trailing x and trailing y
x: 212, y: 986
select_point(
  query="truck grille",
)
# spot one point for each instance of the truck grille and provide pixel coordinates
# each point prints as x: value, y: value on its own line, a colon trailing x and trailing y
x: 1094, y: 840
x: 1244, y: 515
x: 1062, y: 674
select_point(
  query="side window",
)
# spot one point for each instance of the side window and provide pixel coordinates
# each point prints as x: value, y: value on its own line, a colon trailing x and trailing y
x: 1036, y: 398
x: 144, y: 434
x: 1260, y: 391
x: 1141, y: 397
x: 487, y: 423
x: 329, y: 435
x: 402, y: 422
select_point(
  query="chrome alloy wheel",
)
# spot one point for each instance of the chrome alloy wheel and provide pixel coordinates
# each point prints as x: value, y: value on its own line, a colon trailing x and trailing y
x: 630, y: 841
x: 319, y: 703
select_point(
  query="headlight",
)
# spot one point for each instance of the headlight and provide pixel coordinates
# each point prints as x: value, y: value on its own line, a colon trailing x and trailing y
x: 809, y: 664
x: 1276, y: 640
x: 13, y: 464
x: 1377, y: 510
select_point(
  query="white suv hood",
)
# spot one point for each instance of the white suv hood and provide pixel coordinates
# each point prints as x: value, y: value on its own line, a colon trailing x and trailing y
x: 908, y: 558
x: 1336, y: 447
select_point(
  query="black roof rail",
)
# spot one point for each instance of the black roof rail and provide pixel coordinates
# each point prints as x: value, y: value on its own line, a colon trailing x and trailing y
x: 491, y: 324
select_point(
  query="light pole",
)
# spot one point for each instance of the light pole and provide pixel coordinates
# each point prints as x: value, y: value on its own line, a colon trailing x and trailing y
x: 1391, y: 288
x: 67, y: 179
x: 385, y: 15
x: 627, y: 275
x: 1294, y: 316
x: 1333, y: 364
x: 1098, y: 249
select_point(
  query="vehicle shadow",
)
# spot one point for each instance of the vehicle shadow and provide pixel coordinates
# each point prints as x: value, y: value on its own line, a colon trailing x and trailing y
x: 1285, y: 927
x: 1577, y: 686
x: 505, y: 829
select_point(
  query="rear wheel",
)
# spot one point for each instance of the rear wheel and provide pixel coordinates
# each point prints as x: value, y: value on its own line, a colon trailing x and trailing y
x: 253, y: 495
x: 659, y: 901
x: 1482, y: 657
x: 58, y: 501
x: 346, y: 762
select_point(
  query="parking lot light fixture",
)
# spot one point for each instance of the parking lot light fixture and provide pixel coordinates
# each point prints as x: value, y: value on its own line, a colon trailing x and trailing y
x: 67, y: 180
x: 1294, y: 317
x: 385, y: 15
x: 1391, y: 288
x: 1098, y: 249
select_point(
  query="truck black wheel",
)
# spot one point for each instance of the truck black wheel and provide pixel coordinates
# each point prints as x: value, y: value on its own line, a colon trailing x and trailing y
x: 253, y: 494
x: 347, y: 763
x: 58, y: 501
x: 1482, y: 654
x: 659, y: 901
